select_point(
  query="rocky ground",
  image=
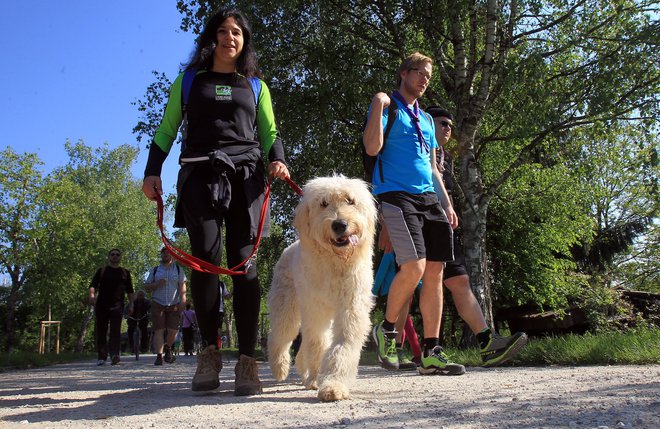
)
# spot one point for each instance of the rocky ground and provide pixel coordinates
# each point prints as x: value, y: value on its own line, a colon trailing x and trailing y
x: 135, y: 394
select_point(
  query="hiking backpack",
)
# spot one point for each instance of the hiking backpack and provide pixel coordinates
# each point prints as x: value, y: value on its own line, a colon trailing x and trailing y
x: 186, y: 85
x: 369, y: 161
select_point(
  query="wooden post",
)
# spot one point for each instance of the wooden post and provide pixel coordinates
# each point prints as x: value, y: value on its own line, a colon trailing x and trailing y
x: 42, y: 334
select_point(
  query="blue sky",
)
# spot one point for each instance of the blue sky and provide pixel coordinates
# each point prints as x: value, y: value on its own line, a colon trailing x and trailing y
x: 72, y: 68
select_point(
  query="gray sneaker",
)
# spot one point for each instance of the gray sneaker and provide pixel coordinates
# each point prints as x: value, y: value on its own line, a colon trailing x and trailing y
x: 501, y: 349
x: 209, y: 364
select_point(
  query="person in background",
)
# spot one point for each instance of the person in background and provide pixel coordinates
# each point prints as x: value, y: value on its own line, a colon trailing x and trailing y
x: 224, y: 294
x: 167, y: 284
x: 222, y: 181
x: 188, y: 326
x: 140, y: 320
x: 107, y: 292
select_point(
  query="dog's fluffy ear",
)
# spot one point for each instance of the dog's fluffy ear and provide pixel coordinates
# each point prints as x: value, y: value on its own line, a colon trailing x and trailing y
x: 301, y: 218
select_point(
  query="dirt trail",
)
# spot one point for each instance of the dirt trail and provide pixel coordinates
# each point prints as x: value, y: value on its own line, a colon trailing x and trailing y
x: 139, y: 395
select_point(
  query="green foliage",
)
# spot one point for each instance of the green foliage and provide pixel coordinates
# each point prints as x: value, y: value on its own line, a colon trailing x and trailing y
x: 526, y: 81
x: 531, y: 232
x: 84, y: 209
x: 20, y: 181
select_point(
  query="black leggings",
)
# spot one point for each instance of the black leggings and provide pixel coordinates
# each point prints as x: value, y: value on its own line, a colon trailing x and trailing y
x: 204, y: 227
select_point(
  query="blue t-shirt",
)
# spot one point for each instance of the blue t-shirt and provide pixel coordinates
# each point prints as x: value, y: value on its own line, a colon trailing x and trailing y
x: 406, y: 165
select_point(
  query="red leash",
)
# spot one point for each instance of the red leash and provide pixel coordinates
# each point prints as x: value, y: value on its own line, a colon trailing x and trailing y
x: 207, y: 267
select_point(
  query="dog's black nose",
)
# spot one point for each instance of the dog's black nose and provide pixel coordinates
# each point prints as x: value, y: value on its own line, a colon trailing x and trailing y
x: 339, y: 226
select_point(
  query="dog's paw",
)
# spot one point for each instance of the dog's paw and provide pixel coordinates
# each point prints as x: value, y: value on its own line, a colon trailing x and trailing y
x: 280, y: 370
x: 310, y: 384
x: 333, y: 391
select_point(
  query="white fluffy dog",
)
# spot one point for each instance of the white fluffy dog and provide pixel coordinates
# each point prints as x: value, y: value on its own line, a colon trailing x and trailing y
x: 322, y: 286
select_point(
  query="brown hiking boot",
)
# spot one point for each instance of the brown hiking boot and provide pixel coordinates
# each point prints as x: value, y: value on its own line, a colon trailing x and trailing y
x: 247, y: 377
x: 209, y: 364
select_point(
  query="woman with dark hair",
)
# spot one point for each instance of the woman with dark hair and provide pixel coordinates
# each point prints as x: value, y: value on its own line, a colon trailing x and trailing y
x: 222, y: 180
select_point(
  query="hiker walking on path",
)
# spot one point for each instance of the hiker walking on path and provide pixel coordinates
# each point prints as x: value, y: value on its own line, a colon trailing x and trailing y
x: 106, y: 292
x: 229, y: 124
x: 167, y: 284
x: 224, y: 294
x: 140, y: 320
x: 188, y: 326
x: 419, y: 226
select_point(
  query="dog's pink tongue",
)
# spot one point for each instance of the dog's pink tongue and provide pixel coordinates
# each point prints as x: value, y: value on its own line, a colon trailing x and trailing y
x: 353, y: 239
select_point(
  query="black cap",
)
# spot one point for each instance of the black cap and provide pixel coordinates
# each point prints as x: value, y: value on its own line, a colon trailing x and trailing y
x: 437, y: 112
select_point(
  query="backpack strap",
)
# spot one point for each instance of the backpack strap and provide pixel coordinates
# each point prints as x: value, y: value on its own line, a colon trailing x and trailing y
x: 392, y: 111
x: 186, y: 84
x: 255, y: 83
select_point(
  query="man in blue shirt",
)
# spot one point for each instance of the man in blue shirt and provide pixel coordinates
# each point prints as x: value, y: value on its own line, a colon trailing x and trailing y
x: 418, y: 223
x: 167, y: 284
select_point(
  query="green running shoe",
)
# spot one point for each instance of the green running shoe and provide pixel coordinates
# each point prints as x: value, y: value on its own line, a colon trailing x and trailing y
x: 437, y: 363
x: 385, y: 341
x: 501, y: 349
x: 405, y: 364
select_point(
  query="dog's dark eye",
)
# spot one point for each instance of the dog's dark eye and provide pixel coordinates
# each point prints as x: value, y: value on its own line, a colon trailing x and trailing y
x: 350, y: 201
x: 324, y: 204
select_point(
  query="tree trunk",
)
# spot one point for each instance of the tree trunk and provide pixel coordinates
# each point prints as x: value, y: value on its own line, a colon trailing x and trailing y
x: 12, y: 302
x: 87, y: 320
x: 9, y: 323
x: 474, y: 212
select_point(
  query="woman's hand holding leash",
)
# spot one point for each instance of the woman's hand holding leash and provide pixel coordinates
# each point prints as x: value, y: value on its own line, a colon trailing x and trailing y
x: 151, y: 186
x: 278, y: 170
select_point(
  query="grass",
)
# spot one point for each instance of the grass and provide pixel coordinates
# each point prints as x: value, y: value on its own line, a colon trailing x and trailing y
x: 25, y: 360
x: 634, y: 347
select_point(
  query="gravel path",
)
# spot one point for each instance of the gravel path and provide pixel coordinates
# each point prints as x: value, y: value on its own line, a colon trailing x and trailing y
x: 135, y: 394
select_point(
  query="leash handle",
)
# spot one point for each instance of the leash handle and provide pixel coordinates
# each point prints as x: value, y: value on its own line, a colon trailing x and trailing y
x: 293, y: 186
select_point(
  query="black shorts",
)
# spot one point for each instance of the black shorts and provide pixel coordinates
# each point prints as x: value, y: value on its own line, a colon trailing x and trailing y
x: 417, y: 226
x: 453, y: 269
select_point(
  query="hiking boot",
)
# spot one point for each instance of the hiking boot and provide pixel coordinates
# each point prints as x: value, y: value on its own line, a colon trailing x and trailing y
x: 405, y: 364
x: 417, y: 360
x: 169, y: 357
x: 100, y: 362
x: 437, y: 363
x: 115, y: 360
x: 209, y: 364
x: 385, y: 342
x: 159, y: 360
x: 247, y: 377
x: 501, y: 349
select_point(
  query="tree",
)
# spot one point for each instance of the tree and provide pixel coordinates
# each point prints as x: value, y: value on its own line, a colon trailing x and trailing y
x: 519, y: 75
x: 20, y: 186
x: 89, y: 206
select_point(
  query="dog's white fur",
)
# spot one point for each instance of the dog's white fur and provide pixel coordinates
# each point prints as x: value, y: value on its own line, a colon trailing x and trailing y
x: 322, y: 286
